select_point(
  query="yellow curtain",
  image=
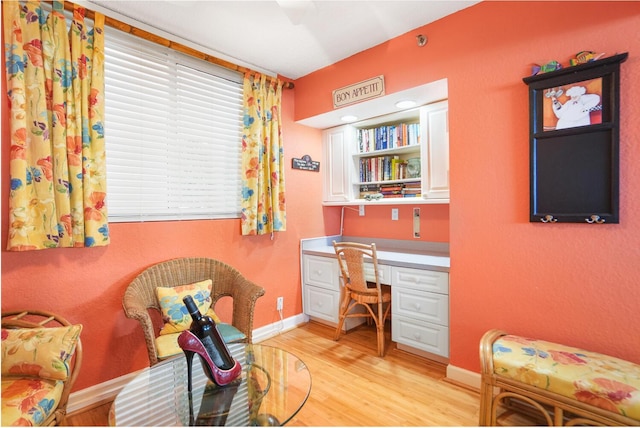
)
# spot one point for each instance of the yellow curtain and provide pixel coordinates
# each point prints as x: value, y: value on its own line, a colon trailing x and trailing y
x: 263, y: 190
x: 55, y: 84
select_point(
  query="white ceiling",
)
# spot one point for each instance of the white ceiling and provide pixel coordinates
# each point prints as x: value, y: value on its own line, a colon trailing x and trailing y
x: 289, y: 37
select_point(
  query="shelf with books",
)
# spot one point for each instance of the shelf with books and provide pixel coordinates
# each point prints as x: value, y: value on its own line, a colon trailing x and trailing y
x: 391, y: 189
x: 387, y: 168
x: 359, y: 166
x: 388, y: 137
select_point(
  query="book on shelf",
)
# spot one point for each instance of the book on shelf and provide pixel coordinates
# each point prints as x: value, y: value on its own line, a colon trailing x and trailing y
x: 375, y: 188
x: 388, y: 137
x: 391, y: 190
x: 382, y: 168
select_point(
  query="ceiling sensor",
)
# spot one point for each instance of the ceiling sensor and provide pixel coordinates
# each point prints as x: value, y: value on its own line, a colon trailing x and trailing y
x: 422, y: 40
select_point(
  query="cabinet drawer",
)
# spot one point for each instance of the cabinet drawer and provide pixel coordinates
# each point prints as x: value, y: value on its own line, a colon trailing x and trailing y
x: 321, y: 303
x: 420, y: 305
x: 384, y: 272
x: 421, y: 335
x: 418, y: 279
x: 322, y: 272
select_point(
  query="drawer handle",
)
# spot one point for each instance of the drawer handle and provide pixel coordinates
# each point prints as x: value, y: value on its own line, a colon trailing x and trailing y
x: 417, y: 306
x: 416, y: 335
x: 319, y: 304
x: 319, y: 272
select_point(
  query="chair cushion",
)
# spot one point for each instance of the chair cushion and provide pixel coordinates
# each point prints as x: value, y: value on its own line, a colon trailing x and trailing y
x: 167, y: 345
x: 29, y: 401
x: 39, y: 352
x: 174, y: 313
x: 597, y: 379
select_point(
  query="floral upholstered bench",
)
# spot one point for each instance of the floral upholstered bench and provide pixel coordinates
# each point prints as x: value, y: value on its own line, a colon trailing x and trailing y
x: 563, y: 385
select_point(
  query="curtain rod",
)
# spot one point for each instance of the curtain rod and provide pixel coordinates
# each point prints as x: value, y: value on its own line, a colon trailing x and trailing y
x: 119, y: 25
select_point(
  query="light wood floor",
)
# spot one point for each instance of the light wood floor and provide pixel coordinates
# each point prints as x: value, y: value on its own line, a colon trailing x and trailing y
x: 351, y: 386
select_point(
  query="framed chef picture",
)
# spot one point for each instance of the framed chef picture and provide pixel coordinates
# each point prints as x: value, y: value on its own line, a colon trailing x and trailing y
x: 572, y: 105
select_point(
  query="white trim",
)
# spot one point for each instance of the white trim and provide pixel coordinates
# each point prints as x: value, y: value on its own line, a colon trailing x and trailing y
x: 108, y: 390
x: 272, y: 330
x: 97, y: 393
x: 463, y: 376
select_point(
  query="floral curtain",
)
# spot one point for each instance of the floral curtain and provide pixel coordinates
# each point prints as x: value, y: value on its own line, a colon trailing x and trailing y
x: 263, y: 193
x: 55, y: 84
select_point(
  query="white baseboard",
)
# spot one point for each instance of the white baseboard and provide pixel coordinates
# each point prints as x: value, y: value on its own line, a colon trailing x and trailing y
x: 463, y: 376
x: 104, y: 391
x: 278, y: 327
x: 97, y: 393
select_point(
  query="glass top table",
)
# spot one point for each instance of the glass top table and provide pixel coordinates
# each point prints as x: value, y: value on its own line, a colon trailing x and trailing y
x: 273, y: 387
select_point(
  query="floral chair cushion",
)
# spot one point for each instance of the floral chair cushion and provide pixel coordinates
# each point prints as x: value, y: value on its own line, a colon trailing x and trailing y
x: 174, y: 313
x: 599, y: 380
x: 167, y: 345
x: 39, y: 352
x: 29, y: 401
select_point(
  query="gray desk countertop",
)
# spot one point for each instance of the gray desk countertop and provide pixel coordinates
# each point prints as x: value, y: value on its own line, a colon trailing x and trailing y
x: 411, y: 254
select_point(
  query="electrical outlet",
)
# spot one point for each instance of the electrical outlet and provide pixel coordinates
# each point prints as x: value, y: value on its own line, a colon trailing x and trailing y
x: 361, y: 210
x: 416, y: 222
x: 279, y: 303
x: 394, y: 214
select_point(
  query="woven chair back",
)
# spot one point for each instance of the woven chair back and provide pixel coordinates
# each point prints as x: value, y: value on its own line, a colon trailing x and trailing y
x: 351, y: 258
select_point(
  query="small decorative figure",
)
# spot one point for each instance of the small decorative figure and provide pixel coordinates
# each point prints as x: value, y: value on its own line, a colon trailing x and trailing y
x: 575, y: 111
x: 584, y: 57
x: 550, y: 66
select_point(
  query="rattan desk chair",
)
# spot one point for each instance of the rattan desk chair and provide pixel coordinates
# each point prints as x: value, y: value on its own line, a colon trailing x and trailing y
x: 356, y: 291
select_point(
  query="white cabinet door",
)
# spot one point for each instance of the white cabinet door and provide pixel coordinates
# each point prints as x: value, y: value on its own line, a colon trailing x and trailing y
x: 384, y: 273
x: 336, y: 142
x: 321, y: 271
x: 321, y: 290
x: 434, y: 122
x: 420, y: 309
x: 321, y: 303
x: 420, y: 305
x: 420, y: 279
x: 428, y: 337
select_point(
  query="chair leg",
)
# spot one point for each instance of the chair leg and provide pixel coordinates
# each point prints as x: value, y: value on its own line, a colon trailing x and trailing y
x: 344, y: 307
x: 380, y: 329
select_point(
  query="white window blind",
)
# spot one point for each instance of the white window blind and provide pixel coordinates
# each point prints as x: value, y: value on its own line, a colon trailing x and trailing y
x: 173, y: 129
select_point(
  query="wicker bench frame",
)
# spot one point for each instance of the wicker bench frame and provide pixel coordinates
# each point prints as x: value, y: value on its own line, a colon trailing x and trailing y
x: 552, y: 408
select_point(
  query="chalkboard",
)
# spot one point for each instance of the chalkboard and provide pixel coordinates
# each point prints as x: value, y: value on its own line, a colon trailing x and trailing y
x: 574, y: 143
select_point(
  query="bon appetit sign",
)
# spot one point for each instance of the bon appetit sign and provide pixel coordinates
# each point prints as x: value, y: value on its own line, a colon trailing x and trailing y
x: 361, y: 91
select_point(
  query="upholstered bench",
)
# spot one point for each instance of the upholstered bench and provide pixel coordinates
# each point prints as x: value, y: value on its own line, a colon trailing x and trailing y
x: 561, y: 384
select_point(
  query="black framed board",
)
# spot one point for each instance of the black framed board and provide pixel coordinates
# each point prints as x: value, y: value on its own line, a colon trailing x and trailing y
x: 574, y: 143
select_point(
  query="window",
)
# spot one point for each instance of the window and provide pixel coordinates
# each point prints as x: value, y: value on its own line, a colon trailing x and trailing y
x: 173, y: 128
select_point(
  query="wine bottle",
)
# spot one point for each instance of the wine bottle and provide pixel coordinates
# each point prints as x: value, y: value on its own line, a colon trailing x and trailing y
x: 205, y: 329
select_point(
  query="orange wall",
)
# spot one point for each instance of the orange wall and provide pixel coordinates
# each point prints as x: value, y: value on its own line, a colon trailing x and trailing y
x: 572, y: 283
x: 377, y: 223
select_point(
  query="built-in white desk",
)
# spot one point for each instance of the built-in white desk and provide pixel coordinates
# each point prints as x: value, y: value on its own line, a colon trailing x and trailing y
x: 418, y: 273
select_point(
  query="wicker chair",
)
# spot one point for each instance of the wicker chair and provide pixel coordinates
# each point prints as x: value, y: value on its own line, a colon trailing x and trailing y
x: 68, y: 364
x: 140, y: 295
x: 355, y: 289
